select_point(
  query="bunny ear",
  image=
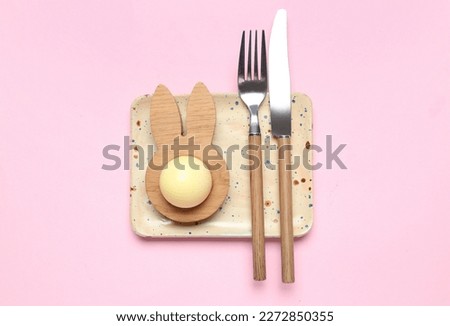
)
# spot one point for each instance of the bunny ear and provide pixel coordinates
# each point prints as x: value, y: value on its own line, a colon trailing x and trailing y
x: 165, y: 117
x: 201, y: 115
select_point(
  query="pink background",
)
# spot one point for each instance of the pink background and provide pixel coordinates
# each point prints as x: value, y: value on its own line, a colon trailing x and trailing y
x: 378, y: 73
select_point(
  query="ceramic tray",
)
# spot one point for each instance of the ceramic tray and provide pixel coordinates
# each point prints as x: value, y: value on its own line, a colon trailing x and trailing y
x: 233, y: 219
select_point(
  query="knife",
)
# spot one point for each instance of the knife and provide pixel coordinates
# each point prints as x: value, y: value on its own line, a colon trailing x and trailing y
x: 280, y: 114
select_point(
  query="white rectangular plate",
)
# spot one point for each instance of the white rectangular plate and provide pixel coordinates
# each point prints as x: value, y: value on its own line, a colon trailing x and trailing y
x: 233, y: 219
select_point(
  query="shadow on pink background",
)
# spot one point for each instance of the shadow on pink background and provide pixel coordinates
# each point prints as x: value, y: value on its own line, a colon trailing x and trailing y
x: 378, y: 73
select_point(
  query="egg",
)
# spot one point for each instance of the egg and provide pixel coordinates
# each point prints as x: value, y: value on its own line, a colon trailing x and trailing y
x: 185, y: 182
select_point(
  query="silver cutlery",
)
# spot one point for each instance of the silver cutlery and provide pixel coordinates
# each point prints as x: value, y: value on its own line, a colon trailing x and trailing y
x: 280, y: 112
x: 252, y: 90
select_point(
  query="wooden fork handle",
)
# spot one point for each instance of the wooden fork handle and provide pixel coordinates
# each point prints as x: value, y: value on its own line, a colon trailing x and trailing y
x: 256, y: 191
x: 286, y: 223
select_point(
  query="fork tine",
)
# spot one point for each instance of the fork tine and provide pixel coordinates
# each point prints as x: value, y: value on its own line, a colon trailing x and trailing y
x: 241, y: 68
x: 263, y: 57
x: 255, y: 62
x: 249, y: 64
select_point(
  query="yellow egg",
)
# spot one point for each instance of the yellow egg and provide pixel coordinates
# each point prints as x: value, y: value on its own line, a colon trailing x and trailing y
x: 185, y: 182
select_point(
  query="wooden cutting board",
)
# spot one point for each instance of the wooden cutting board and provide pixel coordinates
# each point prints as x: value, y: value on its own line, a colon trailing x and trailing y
x: 233, y: 219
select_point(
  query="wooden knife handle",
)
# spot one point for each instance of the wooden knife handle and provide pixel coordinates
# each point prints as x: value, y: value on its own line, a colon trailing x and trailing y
x: 286, y: 224
x: 256, y: 191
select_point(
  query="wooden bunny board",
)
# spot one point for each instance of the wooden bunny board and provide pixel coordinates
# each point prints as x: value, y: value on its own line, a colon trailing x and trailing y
x: 233, y: 219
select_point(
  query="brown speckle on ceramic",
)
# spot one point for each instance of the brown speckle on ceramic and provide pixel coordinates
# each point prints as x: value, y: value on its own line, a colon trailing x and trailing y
x: 233, y: 219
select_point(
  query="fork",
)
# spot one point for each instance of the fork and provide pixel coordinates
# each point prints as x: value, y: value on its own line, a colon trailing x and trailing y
x: 252, y: 90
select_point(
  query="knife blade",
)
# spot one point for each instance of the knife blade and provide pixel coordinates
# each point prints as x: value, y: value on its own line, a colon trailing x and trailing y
x: 279, y: 78
x: 280, y: 113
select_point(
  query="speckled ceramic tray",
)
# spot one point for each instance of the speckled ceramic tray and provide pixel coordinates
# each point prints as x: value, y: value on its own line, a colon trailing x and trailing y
x: 233, y: 219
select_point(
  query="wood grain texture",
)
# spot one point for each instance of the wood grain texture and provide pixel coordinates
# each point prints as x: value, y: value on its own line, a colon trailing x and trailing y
x: 201, y: 115
x: 286, y: 223
x: 257, y: 203
x: 164, y: 116
x: 166, y: 129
